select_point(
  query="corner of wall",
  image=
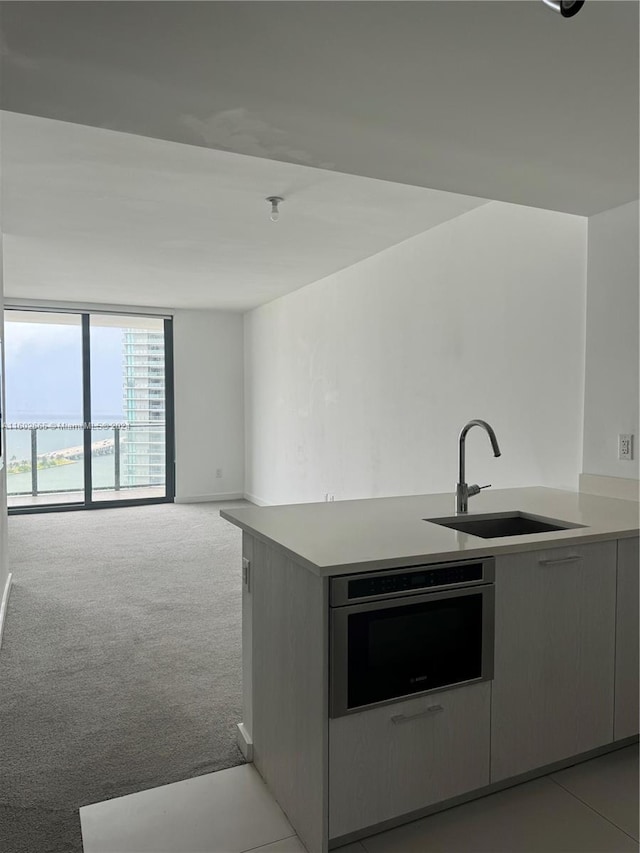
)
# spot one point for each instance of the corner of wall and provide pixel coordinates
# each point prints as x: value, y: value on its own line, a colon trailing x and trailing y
x: 4, y: 604
x: 611, y: 402
x: 209, y: 405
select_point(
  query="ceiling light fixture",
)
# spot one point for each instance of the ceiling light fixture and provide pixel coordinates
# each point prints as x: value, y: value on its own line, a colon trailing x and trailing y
x: 567, y: 8
x: 274, y: 201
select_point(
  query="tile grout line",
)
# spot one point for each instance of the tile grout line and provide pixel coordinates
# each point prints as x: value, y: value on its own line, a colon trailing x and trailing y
x: 589, y: 806
x: 550, y: 777
x: 275, y: 841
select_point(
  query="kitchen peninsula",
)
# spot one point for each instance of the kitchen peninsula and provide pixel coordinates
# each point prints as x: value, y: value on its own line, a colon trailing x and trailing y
x: 535, y: 665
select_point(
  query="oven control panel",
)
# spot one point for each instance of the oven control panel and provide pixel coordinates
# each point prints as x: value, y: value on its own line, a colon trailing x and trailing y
x: 420, y: 579
x: 386, y: 584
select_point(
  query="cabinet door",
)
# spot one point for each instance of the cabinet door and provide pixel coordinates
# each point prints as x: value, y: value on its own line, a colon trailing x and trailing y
x: 554, y: 656
x: 389, y: 761
x: 626, y: 706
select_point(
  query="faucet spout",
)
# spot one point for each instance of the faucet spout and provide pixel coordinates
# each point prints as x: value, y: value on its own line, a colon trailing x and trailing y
x: 464, y: 491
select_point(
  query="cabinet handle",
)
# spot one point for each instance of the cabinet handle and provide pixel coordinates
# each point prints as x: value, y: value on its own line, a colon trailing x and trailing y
x: 560, y: 560
x: 246, y: 573
x: 406, y: 718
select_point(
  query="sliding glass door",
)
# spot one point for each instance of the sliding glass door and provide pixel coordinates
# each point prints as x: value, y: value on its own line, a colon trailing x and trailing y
x: 128, y: 397
x: 89, y: 409
x: 44, y: 408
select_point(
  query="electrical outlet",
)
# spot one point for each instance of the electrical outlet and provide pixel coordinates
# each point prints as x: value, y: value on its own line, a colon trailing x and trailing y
x: 625, y: 446
x: 218, y: 473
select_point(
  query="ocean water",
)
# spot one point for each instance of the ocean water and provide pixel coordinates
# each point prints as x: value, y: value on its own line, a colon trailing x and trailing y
x: 65, y: 477
x: 18, y: 442
x: 17, y: 447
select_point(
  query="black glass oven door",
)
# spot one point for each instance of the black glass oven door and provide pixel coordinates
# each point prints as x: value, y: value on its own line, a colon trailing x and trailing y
x: 394, y: 649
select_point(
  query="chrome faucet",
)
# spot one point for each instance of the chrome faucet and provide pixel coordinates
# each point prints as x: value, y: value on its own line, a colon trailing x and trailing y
x: 464, y: 491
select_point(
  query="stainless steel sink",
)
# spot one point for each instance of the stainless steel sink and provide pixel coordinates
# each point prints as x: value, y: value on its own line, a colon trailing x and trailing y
x: 495, y: 525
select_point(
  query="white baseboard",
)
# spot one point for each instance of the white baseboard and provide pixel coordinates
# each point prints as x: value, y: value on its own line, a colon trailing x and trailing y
x: 218, y: 496
x: 627, y: 489
x: 254, y: 499
x: 4, y: 605
x: 244, y: 741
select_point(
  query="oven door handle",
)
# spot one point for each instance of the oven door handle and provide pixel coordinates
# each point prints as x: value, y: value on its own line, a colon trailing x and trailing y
x: 406, y: 718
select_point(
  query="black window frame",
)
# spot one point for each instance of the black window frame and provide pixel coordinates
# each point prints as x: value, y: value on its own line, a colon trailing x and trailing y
x: 170, y: 474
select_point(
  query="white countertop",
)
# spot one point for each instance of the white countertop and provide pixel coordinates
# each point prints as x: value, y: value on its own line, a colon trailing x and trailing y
x: 342, y: 537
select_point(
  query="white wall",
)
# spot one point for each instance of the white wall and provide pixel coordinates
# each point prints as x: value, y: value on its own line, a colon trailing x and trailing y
x: 359, y: 384
x: 611, y: 380
x: 208, y: 369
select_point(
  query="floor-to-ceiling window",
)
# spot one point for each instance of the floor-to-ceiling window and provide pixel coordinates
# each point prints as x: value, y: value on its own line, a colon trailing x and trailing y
x: 89, y: 409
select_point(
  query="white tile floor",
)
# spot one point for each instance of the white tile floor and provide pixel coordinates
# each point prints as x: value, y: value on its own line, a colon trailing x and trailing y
x: 589, y: 808
x: 226, y: 812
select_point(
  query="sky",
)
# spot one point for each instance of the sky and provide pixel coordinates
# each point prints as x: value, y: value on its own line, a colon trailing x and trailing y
x: 43, y: 372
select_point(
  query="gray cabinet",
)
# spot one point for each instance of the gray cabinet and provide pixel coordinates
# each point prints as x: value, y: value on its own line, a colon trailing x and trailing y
x: 289, y: 686
x: 626, y: 695
x: 552, y: 694
x: 392, y: 760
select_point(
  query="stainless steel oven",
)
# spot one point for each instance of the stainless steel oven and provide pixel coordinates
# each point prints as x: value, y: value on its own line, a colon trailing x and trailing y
x: 411, y: 631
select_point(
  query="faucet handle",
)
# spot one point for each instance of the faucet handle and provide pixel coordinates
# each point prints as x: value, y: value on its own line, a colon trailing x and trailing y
x: 476, y: 489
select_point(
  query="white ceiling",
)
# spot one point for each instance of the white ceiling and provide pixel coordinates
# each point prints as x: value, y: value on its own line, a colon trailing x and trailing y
x: 95, y: 215
x: 502, y: 100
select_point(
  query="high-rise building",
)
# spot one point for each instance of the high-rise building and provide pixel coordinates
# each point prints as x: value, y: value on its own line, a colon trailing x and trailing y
x: 143, y: 443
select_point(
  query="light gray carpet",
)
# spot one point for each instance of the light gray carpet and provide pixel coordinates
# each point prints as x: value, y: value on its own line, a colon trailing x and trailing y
x: 120, y: 668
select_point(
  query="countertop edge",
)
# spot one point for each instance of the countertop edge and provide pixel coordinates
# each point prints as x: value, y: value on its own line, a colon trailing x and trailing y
x: 494, y: 550
x: 486, y: 548
x: 297, y: 558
